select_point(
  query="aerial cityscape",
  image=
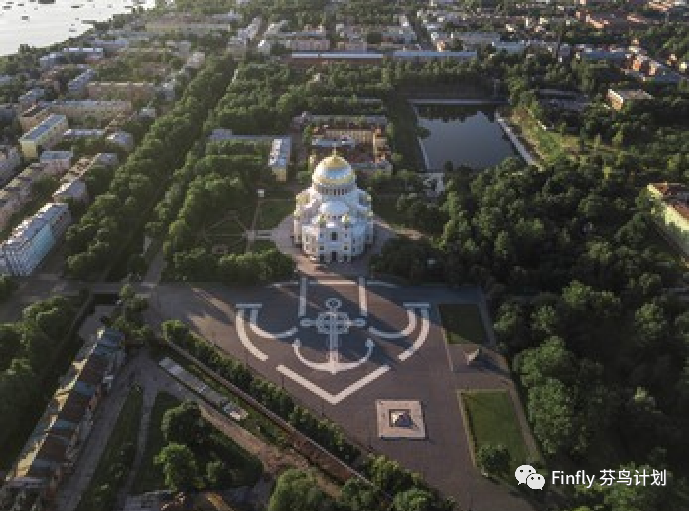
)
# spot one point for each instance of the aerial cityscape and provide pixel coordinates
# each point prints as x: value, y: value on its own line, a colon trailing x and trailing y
x: 344, y: 255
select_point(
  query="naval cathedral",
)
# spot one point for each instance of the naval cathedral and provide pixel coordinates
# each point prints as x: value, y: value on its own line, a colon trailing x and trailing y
x: 333, y: 220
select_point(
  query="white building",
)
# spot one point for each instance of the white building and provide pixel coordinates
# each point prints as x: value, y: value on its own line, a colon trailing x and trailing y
x: 31, y: 241
x: 279, y: 157
x: 333, y: 220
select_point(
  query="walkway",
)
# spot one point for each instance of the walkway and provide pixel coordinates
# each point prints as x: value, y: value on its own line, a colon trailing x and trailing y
x: 526, y: 155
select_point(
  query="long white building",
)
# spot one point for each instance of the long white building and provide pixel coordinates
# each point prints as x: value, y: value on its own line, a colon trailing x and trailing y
x: 31, y: 241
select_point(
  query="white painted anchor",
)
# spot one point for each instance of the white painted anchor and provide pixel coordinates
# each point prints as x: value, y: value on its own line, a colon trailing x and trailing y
x: 333, y: 323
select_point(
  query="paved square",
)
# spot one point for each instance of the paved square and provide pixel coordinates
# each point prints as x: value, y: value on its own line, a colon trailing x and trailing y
x: 398, y: 419
x: 338, y: 346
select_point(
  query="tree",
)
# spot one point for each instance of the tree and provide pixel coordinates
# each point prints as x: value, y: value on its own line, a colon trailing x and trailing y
x: 493, y: 459
x: 179, y: 467
x: 219, y: 476
x: 297, y: 489
x: 183, y: 423
x: 414, y: 499
x: 651, y: 325
x: 550, y: 409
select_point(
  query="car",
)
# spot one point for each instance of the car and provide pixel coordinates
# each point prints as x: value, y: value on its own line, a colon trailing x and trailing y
x: 234, y: 412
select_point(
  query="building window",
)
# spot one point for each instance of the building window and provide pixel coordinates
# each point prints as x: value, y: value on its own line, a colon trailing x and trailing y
x: 334, y: 236
x: 320, y: 248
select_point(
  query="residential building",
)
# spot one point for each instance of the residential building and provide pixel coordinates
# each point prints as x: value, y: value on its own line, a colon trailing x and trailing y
x: 10, y: 159
x: 510, y: 47
x: 237, y: 47
x: 618, y: 99
x: 279, y: 157
x: 477, y: 40
x: 77, y: 133
x: 74, y: 190
x: 122, y: 139
x: 61, y: 432
x: 33, y: 117
x: 30, y: 98
x: 33, y: 239
x: 9, y: 205
x: 77, y: 85
x: 186, y: 25
x: 56, y: 162
x: 670, y: 212
x: 131, y: 91
x: 196, y: 60
x: 21, y: 186
x: 81, y: 110
x: 44, y: 136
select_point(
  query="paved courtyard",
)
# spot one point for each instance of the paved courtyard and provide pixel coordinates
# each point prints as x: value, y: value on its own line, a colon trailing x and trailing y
x: 339, y: 345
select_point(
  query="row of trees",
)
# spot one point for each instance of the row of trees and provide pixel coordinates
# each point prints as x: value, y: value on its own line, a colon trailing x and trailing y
x: 107, y: 224
x: 26, y: 349
x: 393, y: 488
x: 326, y: 433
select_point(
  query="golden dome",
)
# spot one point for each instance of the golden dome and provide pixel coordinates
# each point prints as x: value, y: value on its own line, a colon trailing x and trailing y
x: 333, y: 170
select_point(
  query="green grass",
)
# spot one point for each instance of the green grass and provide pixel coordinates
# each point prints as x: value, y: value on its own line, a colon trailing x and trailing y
x: 463, y: 323
x: 272, y: 212
x: 112, y: 468
x: 262, y: 245
x: 491, y: 420
x: 150, y: 476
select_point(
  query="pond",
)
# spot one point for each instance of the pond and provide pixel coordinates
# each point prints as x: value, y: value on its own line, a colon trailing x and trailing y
x: 466, y: 135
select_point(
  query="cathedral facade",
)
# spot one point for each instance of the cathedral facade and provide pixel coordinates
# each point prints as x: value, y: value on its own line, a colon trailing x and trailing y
x: 333, y: 220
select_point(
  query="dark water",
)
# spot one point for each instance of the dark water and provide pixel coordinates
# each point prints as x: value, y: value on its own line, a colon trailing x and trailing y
x: 465, y: 135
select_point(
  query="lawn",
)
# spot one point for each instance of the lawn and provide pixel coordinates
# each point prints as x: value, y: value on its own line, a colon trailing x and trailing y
x: 463, y: 323
x: 262, y: 245
x: 272, y: 212
x: 117, y: 457
x: 491, y: 420
x: 150, y: 476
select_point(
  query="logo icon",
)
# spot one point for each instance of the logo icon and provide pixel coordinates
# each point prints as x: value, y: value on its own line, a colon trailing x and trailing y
x: 535, y: 481
x: 522, y: 472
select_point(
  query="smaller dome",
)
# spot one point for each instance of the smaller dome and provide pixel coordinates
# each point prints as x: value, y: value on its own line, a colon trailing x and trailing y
x: 334, y: 208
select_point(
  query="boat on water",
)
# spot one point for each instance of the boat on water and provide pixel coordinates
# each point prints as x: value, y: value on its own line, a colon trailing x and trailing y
x: 25, y: 18
x: 6, y: 6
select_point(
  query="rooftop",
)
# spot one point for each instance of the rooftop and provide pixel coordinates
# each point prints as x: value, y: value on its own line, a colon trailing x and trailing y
x: 49, y: 123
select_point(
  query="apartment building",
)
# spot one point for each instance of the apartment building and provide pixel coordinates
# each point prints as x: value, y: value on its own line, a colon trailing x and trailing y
x: 670, y: 212
x: 44, y: 136
x: 80, y: 110
x: 33, y: 117
x: 131, y: 91
x: 77, y: 85
x: 33, y: 239
x: 56, y: 163
x: 10, y: 159
x: 620, y: 98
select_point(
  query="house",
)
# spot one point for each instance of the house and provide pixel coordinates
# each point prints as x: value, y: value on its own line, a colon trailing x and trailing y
x: 618, y: 99
x: 9, y: 205
x: 74, y: 190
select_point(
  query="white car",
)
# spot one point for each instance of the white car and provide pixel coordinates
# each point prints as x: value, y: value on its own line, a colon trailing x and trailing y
x: 235, y: 412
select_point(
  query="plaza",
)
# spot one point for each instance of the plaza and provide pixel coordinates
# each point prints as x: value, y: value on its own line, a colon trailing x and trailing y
x: 339, y: 346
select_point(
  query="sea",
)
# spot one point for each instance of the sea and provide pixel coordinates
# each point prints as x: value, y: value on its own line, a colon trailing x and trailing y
x: 35, y: 24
